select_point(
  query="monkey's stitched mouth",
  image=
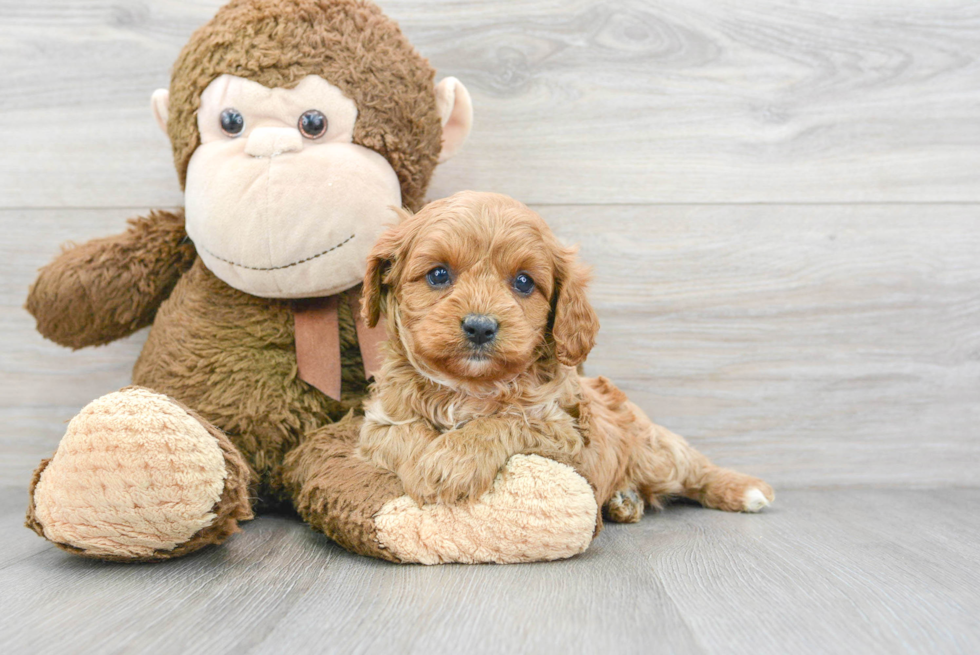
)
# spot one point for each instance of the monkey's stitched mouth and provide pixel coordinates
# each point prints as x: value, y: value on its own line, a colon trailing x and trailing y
x: 279, y: 268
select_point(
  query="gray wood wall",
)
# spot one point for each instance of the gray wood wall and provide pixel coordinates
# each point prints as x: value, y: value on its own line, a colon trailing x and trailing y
x: 780, y: 199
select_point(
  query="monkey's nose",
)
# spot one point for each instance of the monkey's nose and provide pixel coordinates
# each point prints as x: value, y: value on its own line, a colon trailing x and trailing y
x: 480, y: 329
x: 273, y: 141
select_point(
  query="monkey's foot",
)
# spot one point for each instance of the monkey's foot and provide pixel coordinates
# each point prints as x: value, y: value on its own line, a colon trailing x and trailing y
x: 537, y: 510
x: 137, y: 477
x: 625, y: 506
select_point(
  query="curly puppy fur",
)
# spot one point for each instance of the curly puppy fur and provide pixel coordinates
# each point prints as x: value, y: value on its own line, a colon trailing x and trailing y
x: 446, y: 414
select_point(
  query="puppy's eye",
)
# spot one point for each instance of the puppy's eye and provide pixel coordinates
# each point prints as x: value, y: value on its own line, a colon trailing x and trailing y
x: 232, y: 122
x: 523, y: 284
x: 438, y: 277
x: 313, y: 124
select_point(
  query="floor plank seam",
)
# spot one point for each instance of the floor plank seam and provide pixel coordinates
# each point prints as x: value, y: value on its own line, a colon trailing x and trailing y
x: 27, y: 557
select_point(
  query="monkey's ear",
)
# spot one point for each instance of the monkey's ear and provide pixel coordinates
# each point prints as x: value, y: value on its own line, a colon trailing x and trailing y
x: 160, y: 101
x: 575, y: 324
x: 456, y: 112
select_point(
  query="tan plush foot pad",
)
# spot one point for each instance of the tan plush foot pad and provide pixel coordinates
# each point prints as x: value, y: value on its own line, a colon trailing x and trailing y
x: 134, y: 475
x: 537, y: 510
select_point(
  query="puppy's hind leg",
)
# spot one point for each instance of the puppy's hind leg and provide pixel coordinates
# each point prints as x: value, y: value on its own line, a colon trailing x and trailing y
x: 665, y: 464
x: 625, y: 506
x: 731, y: 491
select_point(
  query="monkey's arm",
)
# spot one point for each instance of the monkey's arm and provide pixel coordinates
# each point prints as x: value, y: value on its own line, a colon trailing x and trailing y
x: 538, y: 509
x: 108, y: 288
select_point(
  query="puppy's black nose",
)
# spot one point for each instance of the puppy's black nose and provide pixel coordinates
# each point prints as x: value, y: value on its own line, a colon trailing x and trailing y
x: 480, y: 329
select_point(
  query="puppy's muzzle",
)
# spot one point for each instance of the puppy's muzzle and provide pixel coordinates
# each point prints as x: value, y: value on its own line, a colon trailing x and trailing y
x: 480, y: 329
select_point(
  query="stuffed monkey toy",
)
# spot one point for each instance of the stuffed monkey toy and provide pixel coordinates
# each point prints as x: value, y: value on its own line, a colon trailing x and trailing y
x: 297, y: 127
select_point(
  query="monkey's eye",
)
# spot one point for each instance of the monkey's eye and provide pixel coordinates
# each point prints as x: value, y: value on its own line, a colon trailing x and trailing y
x: 232, y: 122
x: 523, y: 284
x: 313, y: 124
x: 438, y: 277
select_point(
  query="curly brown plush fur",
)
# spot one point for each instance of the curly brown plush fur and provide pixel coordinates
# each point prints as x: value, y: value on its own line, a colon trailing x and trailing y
x: 338, y: 493
x: 108, y: 288
x: 232, y: 357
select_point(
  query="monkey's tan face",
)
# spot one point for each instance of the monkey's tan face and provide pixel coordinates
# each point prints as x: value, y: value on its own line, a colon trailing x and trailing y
x: 280, y: 202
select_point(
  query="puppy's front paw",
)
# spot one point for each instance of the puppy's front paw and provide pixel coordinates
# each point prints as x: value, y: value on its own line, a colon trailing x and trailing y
x: 445, y: 475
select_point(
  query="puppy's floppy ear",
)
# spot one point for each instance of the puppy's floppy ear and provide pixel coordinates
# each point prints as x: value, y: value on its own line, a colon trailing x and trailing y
x: 379, y: 267
x: 574, y: 322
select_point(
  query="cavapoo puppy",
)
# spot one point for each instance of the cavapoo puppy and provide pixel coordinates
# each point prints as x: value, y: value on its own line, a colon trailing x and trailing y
x: 487, y: 320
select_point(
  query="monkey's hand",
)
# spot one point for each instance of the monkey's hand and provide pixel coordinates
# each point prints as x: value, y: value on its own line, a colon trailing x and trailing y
x: 108, y: 288
x: 459, y: 465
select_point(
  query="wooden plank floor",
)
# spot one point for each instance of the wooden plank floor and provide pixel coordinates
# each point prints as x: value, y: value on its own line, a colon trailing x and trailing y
x: 680, y: 101
x: 832, y: 571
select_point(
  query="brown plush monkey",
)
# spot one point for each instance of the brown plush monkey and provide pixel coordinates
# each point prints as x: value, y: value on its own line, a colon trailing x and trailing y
x: 297, y: 126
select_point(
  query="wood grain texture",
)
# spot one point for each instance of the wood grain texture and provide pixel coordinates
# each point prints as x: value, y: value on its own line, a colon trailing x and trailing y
x: 674, y: 101
x: 823, y: 572
x: 811, y: 345
x: 808, y: 344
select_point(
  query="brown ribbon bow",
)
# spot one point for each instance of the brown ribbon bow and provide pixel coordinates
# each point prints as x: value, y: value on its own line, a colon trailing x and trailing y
x: 317, y: 331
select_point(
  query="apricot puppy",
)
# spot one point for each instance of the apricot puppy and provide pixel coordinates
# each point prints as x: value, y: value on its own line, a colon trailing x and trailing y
x: 488, y: 319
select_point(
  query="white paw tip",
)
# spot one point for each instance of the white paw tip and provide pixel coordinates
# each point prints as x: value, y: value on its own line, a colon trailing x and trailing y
x: 755, y: 500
